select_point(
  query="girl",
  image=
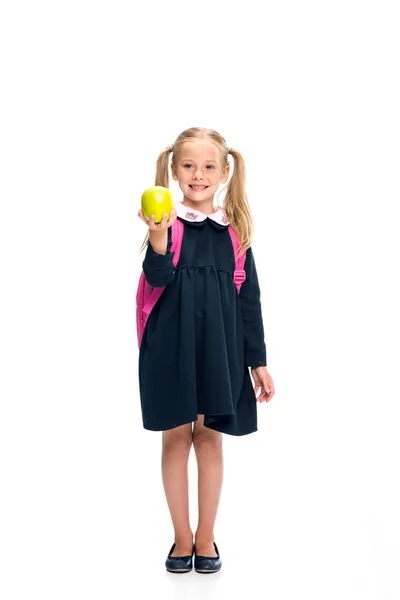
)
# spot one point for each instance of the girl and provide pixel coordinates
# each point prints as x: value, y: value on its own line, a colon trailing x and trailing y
x: 201, y: 337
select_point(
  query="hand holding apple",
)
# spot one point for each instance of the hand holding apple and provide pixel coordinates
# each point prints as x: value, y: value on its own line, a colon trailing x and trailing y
x: 156, y: 201
x: 163, y: 225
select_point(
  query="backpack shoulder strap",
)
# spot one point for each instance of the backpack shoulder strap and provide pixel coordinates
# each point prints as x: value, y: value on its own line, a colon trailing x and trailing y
x: 177, y: 236
x: 239, y: 275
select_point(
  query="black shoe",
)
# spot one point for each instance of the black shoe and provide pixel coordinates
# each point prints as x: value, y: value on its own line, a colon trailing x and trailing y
x: 207, y: 564
x: 179, y: 564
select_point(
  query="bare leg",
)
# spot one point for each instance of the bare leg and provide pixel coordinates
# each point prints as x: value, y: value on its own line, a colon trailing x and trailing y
x: 176, y: 446
x: 208, y: 449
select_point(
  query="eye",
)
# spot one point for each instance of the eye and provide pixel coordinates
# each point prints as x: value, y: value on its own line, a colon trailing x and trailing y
x: 187, y: 165
x: 211, y: 166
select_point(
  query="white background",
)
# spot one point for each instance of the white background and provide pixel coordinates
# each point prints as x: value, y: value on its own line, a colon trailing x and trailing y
x: 92, y: 92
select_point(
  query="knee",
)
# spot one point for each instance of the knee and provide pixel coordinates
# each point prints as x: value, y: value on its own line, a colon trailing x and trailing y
x: 175, y: 442
x: 207, y: 441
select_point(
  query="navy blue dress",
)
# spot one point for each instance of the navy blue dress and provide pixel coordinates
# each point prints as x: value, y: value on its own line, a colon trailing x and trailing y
x: 201, y: 336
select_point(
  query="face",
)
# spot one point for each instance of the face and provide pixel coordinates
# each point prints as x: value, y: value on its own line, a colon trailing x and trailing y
x: 199, y: 173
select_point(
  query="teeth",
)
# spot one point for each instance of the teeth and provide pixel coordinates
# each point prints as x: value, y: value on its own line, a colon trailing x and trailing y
x: 198, y: 187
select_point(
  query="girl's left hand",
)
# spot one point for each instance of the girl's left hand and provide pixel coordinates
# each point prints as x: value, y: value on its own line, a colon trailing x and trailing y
x: 263, y: 381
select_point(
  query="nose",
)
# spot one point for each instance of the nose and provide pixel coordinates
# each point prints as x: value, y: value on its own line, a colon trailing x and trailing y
x: 197, y: 174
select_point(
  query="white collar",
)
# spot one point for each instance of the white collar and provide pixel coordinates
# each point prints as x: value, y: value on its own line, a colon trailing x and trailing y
x: 191, y: 214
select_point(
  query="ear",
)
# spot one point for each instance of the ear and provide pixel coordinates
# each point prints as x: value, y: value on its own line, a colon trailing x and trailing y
x: 225, y: 174
x: 174, y: 175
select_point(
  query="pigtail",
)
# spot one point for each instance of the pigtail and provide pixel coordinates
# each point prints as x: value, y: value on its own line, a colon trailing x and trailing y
x: 162, y: 178
x: 236, y: 205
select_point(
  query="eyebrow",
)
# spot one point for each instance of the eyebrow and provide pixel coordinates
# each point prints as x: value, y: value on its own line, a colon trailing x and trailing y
x: 207, y: 161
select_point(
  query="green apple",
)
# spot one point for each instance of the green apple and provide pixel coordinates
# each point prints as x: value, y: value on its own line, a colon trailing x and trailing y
x: 157, y: 200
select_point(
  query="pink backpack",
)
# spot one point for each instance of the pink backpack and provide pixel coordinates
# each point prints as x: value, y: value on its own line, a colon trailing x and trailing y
x: 147, y: 296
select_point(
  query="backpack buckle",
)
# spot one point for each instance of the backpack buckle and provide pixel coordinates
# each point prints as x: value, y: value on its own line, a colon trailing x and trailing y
x: 239, y: 276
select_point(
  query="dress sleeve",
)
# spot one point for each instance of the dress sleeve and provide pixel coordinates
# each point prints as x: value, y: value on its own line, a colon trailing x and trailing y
x: 159, y: 269
x: 253, y: 329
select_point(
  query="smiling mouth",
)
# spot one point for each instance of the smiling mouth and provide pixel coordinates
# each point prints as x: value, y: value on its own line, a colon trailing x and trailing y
x: 198, y: 187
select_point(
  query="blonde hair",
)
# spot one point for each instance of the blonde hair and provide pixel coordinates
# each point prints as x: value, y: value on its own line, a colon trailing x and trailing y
x: 236, y: 206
